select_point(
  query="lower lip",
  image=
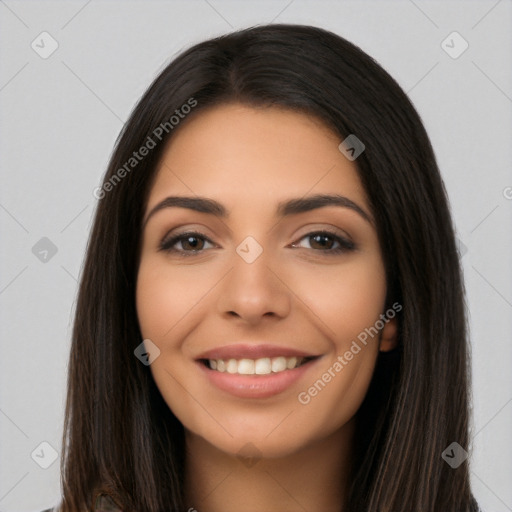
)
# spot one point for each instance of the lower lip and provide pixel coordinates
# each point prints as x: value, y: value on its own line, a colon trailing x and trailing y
x: 255, y: 386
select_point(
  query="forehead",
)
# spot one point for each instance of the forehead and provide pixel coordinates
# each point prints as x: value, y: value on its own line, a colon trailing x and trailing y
x: 241, y: 154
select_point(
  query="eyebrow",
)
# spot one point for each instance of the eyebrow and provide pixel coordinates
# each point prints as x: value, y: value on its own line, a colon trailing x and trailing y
x: 284, y: 208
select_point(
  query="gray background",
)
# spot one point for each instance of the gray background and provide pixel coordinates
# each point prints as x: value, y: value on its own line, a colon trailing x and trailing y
x: 61, y: 116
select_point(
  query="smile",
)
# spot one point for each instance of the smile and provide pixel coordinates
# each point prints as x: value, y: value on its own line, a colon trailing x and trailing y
x: 255, y: 371
x: 262, y: 366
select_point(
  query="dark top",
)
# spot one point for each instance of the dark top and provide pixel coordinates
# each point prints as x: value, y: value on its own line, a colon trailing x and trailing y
x: 104, y: 503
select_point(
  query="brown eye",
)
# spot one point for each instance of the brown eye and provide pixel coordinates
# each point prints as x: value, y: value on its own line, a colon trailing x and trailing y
x: 327, y: 242
x: 191, y: 243
x: 322, y: 241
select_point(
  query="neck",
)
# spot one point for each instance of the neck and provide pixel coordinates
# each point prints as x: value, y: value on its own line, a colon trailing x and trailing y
x: 315, y: 478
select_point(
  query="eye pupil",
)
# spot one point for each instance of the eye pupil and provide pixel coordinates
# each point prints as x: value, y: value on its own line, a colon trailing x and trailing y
x: 190, y: 240
x: 322, y: 240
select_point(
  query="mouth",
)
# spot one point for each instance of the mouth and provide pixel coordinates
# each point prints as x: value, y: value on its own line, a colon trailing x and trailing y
x: 255, y: 372
x: 261, y: 366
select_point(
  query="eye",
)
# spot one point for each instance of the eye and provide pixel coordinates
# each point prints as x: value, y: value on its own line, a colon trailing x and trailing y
x: 191, y: 242
x: 325, y: 241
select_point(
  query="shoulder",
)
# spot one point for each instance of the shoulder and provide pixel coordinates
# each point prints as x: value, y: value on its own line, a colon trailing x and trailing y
x: 105, y: 503
x: 102, y: 503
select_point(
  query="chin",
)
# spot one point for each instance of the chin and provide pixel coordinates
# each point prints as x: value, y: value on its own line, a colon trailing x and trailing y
x: 250, y: 447
x: 259, y: 438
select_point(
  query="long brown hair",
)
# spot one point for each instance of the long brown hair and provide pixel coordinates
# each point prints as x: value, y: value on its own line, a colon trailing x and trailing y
x: 119, y: 434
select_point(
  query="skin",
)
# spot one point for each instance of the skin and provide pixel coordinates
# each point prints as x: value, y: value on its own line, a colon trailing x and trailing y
x: 294, y: 294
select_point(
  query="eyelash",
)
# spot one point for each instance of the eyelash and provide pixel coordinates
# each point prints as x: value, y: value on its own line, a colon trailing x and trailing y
x: 167, y: 245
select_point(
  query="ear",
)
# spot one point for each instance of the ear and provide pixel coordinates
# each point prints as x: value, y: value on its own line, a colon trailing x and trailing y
x: 389, y: 336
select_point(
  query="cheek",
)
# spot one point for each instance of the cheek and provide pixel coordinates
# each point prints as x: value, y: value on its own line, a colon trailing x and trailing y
x: 167, y: 294
x: 347, y: 303
x: 168, y: 308
x: 333, y: 396
x: 343, y: 300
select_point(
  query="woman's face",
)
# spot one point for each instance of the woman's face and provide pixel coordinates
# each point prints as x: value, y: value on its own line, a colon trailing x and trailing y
x: 264, y: 277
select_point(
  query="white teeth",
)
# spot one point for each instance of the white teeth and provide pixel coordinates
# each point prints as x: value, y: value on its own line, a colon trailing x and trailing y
x: 232, y: 366
x: 279, y: 364
x: 246, y: 367
x: 263, y: 366
x: 291, y: 362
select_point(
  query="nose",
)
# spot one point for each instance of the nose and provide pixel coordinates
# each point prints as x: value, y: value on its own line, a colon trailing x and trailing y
x: 254, y: 291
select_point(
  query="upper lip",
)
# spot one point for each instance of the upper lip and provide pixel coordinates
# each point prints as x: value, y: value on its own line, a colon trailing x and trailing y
x: 252, y: 351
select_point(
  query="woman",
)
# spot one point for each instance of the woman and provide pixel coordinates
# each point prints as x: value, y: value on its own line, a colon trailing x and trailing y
x: 271, y: 312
